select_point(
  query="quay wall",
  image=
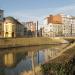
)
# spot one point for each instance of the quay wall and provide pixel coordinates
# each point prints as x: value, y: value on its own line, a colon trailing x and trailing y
x: 17, y: 42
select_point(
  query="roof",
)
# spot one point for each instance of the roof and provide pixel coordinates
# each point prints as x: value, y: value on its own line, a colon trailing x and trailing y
x: 12, y: 19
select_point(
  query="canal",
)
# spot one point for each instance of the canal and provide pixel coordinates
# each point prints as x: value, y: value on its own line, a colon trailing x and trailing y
x: 16, y: 61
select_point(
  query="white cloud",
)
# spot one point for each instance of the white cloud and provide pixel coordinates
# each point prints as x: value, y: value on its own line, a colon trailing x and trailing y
x: 66, y: 10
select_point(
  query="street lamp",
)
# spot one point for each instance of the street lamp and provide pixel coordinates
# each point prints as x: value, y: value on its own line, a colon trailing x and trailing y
x: 71, y: 29
x: 37, y: 29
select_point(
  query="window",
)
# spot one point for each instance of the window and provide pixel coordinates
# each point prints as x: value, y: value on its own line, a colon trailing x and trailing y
x: 0, y: 16
x: 0, y: 33
x: 6, y: 32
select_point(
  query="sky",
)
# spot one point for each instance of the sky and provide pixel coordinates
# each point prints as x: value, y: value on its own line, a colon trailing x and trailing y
x: 25, y: 10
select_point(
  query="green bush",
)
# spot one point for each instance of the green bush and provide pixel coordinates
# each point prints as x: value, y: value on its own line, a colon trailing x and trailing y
x: 58, y: 68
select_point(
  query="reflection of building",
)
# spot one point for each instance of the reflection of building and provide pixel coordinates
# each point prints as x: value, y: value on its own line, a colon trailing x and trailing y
x: 9, y: 59
x: 48, y: 54
x: 13, y: 28
x: 12, y: 59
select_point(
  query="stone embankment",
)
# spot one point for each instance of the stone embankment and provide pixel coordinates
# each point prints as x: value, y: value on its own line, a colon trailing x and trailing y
x: 19, y: 42
x: 63, y: 63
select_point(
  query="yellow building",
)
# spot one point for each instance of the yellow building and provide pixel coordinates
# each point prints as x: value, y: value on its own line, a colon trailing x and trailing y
x: 8, y: 27
x: 12, y: 28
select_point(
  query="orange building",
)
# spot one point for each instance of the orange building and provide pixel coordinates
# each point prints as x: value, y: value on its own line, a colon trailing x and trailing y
x: 56, y: 19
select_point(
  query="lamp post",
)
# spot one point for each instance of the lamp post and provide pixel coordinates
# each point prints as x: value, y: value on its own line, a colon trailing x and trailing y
x: 71, y: 29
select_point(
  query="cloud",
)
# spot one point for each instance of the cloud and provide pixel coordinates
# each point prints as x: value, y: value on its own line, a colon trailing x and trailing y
x: 40, y: 14
x: 70, y: 10
x: 30, y: 14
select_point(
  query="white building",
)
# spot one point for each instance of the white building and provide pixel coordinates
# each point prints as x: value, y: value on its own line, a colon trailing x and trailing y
x: 47, y: 29
x: 59, y: 25
x: 73, y: 26
x: 51, y: 29
x: 68, y: 25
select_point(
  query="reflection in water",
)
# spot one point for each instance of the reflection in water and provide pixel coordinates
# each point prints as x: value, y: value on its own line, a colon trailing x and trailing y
x: 15, y: 61
x: 9, y: 59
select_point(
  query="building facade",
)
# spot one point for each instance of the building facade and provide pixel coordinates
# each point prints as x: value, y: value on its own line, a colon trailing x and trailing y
x: 73, y: 26
x: 59, y: 25
x: 68, y: 25
x: 31, y: 28
x: 1, y: 22
x: 52, y: 26
x: 13, y: 28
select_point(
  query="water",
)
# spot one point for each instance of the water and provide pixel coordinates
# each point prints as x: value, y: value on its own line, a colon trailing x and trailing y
x: 17, y: 60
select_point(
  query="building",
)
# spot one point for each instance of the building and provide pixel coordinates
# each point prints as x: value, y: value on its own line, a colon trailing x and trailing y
x: 52, y: 26
x: 1, y: 14
x: 48, y: 30
x: 59, y: 25
x: 1, y: 22
x: 40, y: 32
x: 73, y: 26
x: 68, y: 25
x: 31, y: 28
x: 13, y: 28
x: 55, y: 19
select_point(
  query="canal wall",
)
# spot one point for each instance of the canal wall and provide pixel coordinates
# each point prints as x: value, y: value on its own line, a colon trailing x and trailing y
x: 63, y: 64
x: 19, y: 42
